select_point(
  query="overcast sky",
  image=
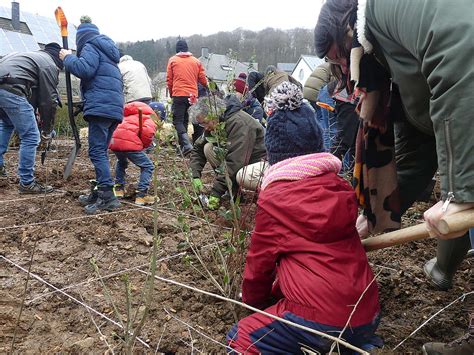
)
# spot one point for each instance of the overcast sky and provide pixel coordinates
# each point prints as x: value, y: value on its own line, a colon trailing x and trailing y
x: 133, y: 20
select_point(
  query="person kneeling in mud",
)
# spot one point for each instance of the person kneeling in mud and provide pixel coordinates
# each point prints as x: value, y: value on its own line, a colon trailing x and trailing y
x: 244, y: 147
x: 305, y: 252
x: 129, y: 142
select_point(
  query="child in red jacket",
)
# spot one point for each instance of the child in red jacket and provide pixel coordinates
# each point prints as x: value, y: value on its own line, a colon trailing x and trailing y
x: 129, y: 142
x: 305, y: 249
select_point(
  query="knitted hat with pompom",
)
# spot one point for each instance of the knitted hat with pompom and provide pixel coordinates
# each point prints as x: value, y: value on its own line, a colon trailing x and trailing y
x: 292, y: 129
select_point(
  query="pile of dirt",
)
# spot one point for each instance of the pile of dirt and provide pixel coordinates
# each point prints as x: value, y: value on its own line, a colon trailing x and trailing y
x: 65, y: 246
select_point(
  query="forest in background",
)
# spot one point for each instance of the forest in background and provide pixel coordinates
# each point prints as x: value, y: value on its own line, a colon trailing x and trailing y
x: 265, y: 47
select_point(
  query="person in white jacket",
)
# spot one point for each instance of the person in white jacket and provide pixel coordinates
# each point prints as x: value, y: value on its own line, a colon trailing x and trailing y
x: 136, y: 82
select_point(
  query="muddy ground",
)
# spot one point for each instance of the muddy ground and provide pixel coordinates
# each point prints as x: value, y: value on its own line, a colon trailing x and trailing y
x: 61, y: 241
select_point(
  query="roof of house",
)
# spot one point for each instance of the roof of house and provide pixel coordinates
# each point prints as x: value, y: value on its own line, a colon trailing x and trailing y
x: 312, y: 61
x: 219, y: 67
x: 286, y: 67
x: 35, y: 31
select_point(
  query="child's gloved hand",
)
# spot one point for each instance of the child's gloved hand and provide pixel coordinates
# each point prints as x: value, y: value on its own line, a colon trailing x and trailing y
x: 213, y: 203
x: 197, y: 185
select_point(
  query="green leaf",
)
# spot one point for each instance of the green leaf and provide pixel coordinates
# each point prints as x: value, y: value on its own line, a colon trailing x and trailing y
x: 211, y: 139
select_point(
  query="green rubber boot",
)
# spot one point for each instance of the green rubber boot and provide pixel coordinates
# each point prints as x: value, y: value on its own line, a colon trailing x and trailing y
x: 449, y: 256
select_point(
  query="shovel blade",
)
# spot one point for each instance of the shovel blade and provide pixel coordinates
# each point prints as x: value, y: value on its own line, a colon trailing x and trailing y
x: 70, y: 162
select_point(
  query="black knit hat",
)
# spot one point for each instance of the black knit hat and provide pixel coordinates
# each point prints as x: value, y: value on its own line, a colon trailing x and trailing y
x: 181, y: 46
x: 292, y: 129
x: 53, y: 50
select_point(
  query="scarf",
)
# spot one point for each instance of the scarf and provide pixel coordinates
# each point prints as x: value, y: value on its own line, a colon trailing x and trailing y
x: 301, y: 167
x: 375, y: 174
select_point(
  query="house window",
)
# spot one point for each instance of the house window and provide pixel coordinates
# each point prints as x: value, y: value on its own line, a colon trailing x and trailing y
x: 301, y: 74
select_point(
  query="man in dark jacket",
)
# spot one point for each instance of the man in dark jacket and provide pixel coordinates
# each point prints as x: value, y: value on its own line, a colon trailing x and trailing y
x: 96, y: 64
x: 28, y: 81
x: 244, y: 145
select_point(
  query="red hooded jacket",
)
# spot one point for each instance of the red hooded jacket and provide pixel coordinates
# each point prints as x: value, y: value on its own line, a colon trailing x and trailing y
x: 127, y: 136
x: 305, y: 231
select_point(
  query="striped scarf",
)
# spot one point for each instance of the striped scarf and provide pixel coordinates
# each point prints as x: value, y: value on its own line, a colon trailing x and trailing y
x: 301, y: 167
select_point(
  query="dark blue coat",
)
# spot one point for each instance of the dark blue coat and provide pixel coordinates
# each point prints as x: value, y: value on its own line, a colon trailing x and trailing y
x: 101, y: 81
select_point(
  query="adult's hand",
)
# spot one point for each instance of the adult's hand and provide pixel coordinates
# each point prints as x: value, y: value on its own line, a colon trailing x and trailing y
x: 433, y: 215
x: 64, y: 52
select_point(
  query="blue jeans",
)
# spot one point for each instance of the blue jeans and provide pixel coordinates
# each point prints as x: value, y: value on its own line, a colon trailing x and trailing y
x: 141, y: 160
x: 16, y: 113
x: 326, y: 119
x: 100, y: 134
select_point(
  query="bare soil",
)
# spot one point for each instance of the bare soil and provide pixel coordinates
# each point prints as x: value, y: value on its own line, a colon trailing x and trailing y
x: 61, y: 240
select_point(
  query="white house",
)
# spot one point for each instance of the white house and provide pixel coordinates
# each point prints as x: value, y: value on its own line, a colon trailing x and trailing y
x: 305, y: 66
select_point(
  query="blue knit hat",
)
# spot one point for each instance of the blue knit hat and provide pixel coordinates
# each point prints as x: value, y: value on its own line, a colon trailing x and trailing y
x: 159, y: 109
x: 292, y: 129
x: 85, y: 32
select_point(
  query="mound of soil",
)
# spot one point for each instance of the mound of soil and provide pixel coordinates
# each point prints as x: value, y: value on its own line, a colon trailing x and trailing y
x: 63, y: 247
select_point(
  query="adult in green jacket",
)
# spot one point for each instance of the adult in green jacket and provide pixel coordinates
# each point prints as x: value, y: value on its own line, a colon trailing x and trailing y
x: 320, y: 77
x: 427, y: 47
x: 242, y: 140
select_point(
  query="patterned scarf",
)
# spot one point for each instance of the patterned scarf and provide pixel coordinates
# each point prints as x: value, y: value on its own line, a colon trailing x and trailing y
x: 302, y: 167
x: 375, y: 173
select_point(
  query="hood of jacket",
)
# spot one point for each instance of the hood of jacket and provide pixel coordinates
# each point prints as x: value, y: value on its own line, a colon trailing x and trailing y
x: 233, y: 105
x: 184, y: 54
x: 125, y: 58
x: 133, y: 107
x: 107, y: 46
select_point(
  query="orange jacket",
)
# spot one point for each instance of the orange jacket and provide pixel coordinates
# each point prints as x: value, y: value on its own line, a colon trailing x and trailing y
x: 183, y: 73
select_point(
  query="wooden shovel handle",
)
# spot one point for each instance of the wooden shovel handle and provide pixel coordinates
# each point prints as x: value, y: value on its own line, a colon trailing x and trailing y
x: 448, y: 225
x: 457, y: 222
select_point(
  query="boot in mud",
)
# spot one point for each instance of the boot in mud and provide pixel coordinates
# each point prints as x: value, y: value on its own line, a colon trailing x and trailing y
x: 106, y: 201
x: 90, y: 198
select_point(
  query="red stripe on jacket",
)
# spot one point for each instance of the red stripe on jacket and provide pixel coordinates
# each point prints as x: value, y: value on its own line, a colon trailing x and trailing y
x: 126, y: 135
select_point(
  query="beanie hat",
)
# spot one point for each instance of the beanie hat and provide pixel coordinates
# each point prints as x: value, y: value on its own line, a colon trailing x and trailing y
x: 85, y: 32
x: 240, y: 84
x: 181, y: 46
x: 292, y: 129
x: 159, y: 109
x: 85, y: 19
x: 53, y: 50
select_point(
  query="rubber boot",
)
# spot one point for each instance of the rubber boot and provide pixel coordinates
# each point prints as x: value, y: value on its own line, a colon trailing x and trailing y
x: 106, y: 201
x: 90, y: 198
x: 184, y: 143
x: 449, y: 256
x: 461, y: 346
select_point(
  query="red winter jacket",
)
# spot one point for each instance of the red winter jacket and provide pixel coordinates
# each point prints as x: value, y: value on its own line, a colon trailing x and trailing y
x: 126, y: 136
x: 305, y: 231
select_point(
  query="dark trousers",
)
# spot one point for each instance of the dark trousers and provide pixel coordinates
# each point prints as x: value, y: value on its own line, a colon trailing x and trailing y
x: 180, y: 113
x: 100, y: 134
x: 417, y: 162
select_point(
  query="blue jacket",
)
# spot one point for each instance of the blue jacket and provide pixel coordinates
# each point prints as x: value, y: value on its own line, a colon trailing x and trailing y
x: 101, y: 81
x: 253, y: 108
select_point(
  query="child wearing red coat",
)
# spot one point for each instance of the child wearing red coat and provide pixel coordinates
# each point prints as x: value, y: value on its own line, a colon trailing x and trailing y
x: 129, y: 142
x: 305, y: 251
